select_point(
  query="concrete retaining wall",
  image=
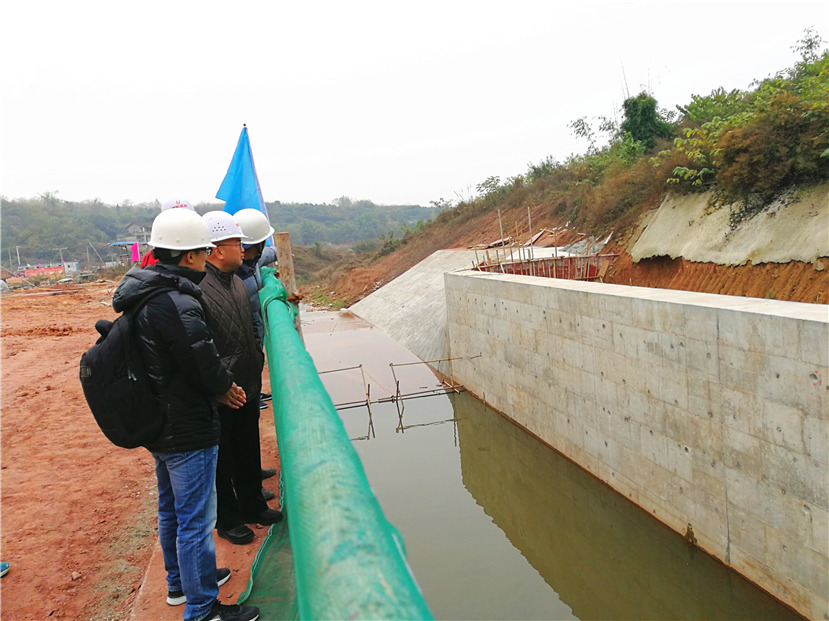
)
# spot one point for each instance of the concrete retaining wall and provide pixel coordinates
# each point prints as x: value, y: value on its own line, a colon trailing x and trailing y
x: 708, y: 411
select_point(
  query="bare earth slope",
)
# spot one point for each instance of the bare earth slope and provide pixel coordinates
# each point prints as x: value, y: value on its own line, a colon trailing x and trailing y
x: 793, y: 280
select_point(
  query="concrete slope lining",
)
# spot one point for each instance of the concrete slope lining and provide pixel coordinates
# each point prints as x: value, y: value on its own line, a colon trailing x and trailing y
x: 794, y: 227
x: 411, y: 309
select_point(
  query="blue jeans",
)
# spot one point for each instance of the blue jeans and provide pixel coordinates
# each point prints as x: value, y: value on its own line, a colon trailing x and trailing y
x: 186, y: 517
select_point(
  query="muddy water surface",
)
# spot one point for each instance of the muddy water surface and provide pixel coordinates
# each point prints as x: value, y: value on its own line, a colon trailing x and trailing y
x: 496, y: 524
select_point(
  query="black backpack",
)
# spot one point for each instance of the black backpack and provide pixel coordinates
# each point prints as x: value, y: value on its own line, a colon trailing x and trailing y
x: 116, y: 385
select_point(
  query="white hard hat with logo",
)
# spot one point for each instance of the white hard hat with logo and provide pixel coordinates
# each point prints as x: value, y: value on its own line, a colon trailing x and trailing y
x: 222, y: 225
x: 176, y: 203
x: 179, y: 229
x: 255, y: 225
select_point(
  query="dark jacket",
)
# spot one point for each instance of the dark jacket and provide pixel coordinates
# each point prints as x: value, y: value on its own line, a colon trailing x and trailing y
x: 227, y: 306
x: 179, y: 353
x: 250, y: 275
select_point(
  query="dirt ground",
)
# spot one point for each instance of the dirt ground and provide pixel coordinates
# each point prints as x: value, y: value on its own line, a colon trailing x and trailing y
x: 794, y: 281
x: 78, y: 514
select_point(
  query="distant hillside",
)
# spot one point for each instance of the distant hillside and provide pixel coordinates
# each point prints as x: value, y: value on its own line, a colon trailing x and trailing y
x: 347, y: 221
x: 42, y: 229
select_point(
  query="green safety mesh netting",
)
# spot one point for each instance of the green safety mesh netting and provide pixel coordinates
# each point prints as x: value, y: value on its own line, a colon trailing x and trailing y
x: 337, y: 557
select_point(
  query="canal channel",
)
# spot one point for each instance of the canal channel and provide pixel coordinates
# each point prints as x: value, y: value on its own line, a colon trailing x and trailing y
x: 496, y: 524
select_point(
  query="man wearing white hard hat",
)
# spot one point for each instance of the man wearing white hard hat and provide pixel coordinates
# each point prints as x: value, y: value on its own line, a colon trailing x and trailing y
x: 187, y: 376
x: 256, y: 229
x: 238, y: 474
x: 170, y: 203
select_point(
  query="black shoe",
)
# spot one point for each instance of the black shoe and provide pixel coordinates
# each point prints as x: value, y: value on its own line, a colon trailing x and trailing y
x: 176, y: 598
x: 263, y: 405
x: 239, y: 535
x: 222, y: 575
x: 265, y: 396
x: 220, y: 612
x: 268, y: 494
x: 266, y: 518
x: 267, y: 473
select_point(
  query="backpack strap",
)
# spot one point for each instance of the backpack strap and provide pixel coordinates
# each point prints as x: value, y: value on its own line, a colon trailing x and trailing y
x: 134, y: 310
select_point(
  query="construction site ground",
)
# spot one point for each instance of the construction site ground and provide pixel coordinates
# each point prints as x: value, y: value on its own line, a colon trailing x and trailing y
x: 78, y: 514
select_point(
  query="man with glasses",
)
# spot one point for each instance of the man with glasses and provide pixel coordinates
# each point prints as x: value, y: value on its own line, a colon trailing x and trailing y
x: 226, y: 300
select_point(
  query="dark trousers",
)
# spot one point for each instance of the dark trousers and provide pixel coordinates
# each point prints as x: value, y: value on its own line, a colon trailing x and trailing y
x: 239, y: 468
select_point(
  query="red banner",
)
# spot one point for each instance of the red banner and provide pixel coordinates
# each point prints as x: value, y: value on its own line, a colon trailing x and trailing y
x: 43, y: 271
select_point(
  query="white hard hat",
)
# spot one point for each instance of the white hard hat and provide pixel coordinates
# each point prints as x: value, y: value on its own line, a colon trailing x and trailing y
x: 255, y: 225
x: 222, y: 225
x: 179, y: 229
x: 174, y: 203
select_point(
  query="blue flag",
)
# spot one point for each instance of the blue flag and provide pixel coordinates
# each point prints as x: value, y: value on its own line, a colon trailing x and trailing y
x: 240, y: 188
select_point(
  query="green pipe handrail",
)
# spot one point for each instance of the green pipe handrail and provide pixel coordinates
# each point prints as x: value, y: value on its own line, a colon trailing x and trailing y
x: 349, y: 561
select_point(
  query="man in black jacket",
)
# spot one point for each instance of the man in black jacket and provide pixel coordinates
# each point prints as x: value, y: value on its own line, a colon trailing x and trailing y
x: 227, y: 302
x: 188, y: 376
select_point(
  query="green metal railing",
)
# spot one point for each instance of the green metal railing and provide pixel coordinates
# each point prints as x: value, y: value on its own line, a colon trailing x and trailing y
x: 349, y: 561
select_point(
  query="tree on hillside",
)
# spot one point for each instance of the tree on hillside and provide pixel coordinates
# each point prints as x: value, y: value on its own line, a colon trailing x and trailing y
x: 642, y: 120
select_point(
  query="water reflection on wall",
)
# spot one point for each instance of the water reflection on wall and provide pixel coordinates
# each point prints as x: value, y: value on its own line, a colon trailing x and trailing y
x: 605, y: 557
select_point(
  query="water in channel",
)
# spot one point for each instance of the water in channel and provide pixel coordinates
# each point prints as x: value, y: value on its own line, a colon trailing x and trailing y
x: 496, y: 524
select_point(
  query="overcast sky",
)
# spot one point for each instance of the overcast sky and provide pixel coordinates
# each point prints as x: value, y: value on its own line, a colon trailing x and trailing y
x: 395, y: 102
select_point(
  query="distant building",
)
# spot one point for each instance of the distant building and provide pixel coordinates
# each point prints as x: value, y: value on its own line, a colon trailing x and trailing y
x: 137, y: 231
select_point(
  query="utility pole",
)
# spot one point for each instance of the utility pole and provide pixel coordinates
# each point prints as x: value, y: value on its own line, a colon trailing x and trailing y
x: 18, y: 254
x: 62, y: 264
